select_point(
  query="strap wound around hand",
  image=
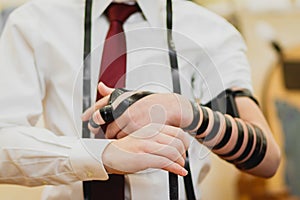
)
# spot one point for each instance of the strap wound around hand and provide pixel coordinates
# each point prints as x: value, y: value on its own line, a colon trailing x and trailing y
x: 115, y: 94
x: 109, y: 114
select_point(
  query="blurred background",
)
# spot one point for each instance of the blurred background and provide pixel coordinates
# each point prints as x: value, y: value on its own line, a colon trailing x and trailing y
x: 271, y: 29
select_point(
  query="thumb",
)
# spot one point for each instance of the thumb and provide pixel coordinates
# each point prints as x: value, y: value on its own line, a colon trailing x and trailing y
x: 104, y: 90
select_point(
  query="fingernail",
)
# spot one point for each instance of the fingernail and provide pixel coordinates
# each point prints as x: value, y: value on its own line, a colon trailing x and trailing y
x: 184, y: 172
x: 102, y: 84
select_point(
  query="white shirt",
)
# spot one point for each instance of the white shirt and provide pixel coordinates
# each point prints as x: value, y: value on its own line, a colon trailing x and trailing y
x: 41, y: 53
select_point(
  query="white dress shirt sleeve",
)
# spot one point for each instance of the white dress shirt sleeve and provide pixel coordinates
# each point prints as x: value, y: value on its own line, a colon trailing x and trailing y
x: 33, y: 156
x: 29, y: 155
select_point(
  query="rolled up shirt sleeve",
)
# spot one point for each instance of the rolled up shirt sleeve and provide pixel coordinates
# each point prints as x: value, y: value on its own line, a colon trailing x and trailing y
x: 34, y: 156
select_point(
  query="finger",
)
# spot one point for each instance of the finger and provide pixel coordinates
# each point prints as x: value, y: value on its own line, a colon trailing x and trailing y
x: 152, y: 132
x: 149, y: 130
x: 87, y: 114
x: 93, y: 130
x: 112, y: 130
x: 115, y: 127
x: 99, y: 104
x: 126, y: 130
x: 176, y: 169
x: 178, y: 133
x: 137, y: 162
x: 104, y: 90
x: 171, y: 141
x: 121, y: 134
x: 158, y: 162
x: 162, y: 150
x: 95, y: 122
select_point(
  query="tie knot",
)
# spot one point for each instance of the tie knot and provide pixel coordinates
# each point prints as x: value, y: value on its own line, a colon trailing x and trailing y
x: 120, y: 11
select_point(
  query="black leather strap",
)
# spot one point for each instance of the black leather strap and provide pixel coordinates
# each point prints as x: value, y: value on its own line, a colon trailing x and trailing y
x: 204, y: 123
x: 196, y: 118
x: 109, y: 114
x: 173, y: 179
x: 126, y: 103
x: 239, y: 142
x: 258, y: 153
x: 188, y: 183
x: 225, y: 101
x: 115, y: 94
x: 86, y: 90
x: 93, y: 123
x: 245, y: 93
x: 86, y: 101
x: 248, y: 147
x: 215, y: 129
x: 227, y: 134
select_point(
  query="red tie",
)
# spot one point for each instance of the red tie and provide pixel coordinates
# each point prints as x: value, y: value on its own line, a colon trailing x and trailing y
x: 113, y: 63
x: 112, y: 73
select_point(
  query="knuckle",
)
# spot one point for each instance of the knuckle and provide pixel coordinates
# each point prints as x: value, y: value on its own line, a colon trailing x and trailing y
x: 144, y: 146
x: 178, y: 144
x: 170, y: 152
x: 175, y: 155
x: 130, y: 128
x: 111, y: 130
x: 163, y: 162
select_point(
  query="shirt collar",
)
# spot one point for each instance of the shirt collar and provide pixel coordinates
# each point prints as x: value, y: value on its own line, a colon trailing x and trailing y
x: 151, y: 9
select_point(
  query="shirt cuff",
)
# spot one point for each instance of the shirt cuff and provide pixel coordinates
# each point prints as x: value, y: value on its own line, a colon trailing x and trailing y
x: 86, y: 159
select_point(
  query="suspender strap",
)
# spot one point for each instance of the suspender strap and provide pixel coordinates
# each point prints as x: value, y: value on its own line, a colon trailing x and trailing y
x: 86, y: 100
x: 173, y: 179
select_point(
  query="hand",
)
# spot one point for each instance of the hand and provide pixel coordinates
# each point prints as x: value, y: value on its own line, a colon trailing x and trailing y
x: 153, y: 146
x: 168, y: 108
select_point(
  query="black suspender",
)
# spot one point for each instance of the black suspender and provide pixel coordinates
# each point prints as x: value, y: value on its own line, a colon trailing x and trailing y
x: 86, y: 99
x: 173, y: 179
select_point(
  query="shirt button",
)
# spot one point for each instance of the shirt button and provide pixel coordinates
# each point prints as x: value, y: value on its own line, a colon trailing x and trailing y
x: 89, y: 174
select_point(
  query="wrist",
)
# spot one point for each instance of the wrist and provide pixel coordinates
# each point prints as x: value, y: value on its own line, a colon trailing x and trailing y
x: 108, y: 158
x: 173, y: 110
x: 193, y: 124
x: 110, y: 170
x: 184, y: 114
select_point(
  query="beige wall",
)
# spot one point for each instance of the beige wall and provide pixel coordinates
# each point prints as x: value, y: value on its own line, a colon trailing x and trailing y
x: 261, y: 56
x: 11, y: 192
x: 7, y: 3
x: 221, y: 181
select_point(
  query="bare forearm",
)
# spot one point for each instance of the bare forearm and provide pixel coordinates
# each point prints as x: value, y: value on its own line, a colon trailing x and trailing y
x: 247, y: 144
